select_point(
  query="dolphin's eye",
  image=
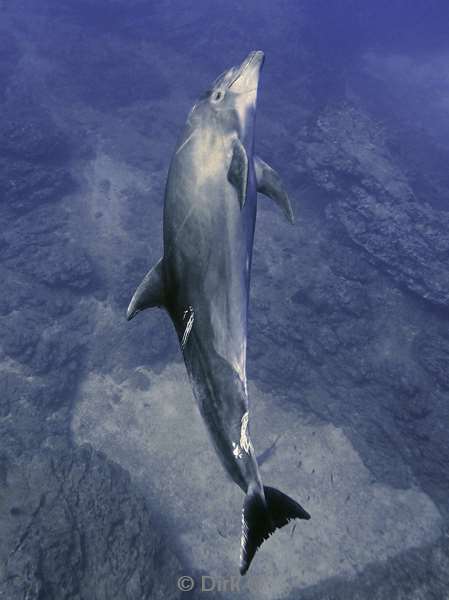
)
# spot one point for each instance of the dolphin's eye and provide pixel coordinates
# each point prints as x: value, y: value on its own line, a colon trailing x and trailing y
x: 218, y: 96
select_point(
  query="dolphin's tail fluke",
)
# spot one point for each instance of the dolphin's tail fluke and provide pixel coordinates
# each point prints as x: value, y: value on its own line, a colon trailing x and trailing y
x: 261, y: 517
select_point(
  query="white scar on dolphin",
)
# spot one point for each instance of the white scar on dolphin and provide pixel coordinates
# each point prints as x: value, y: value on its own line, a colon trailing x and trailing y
x: 202, y: 280
x: 188, y: 329
x: 185, y: 142
x: 245, y: 442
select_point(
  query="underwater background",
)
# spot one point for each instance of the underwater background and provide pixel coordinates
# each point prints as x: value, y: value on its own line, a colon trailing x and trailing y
x: 109, y: 485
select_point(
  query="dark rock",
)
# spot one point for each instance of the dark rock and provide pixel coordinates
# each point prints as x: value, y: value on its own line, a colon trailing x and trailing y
x: 17, y: 295
x: 9, y: 57
x: 407, y: 240
x: 38, y: 245
x: 32, y: 136
x: 346, y: 153
x: 73, y: 527
x: 433, y: 354
x: 20, y: 335
x: 335, y: 295
x: 25, y: 186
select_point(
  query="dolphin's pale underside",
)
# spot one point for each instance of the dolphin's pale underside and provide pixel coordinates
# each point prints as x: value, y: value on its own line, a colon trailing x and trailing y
x: 203, y: 278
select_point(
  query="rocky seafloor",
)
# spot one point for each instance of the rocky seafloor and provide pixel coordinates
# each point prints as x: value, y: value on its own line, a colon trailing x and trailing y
x: 109, y: 487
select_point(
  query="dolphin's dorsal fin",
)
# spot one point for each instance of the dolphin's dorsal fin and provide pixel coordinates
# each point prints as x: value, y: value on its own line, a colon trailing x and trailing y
x: 269, y: 184
x: 150, y: 292
x: 238, y: 170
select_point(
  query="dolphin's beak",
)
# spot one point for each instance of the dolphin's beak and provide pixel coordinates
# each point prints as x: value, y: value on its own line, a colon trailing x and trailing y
x: 247, y: 78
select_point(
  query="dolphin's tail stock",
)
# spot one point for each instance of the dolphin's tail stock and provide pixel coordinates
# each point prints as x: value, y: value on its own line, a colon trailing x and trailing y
x: 261, y: 517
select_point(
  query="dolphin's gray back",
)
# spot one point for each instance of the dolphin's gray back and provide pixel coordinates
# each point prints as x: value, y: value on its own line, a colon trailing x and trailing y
x: 208, y: 244
x: 207, y: 261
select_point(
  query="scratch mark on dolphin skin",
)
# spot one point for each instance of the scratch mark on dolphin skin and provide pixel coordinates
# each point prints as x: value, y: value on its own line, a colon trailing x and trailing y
x: 244, y: 536
x: 178, y: 232
x: 189, y: 325
x: 185, y: 142
x: 240, y: 370
x: 245, y: 442
x: 237, y: 452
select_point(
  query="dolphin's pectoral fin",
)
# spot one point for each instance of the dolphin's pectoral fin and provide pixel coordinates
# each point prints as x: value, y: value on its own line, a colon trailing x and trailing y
x: 238, y: 170
x: 261, y: 517
x: 150, y: 292
x: 269, y: 184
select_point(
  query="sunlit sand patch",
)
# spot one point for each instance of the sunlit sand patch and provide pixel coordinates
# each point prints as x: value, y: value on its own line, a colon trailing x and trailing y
x: 158, y: 435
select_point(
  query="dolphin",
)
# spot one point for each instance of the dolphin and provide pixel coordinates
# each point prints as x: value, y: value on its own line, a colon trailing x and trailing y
x: 203, y: 278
